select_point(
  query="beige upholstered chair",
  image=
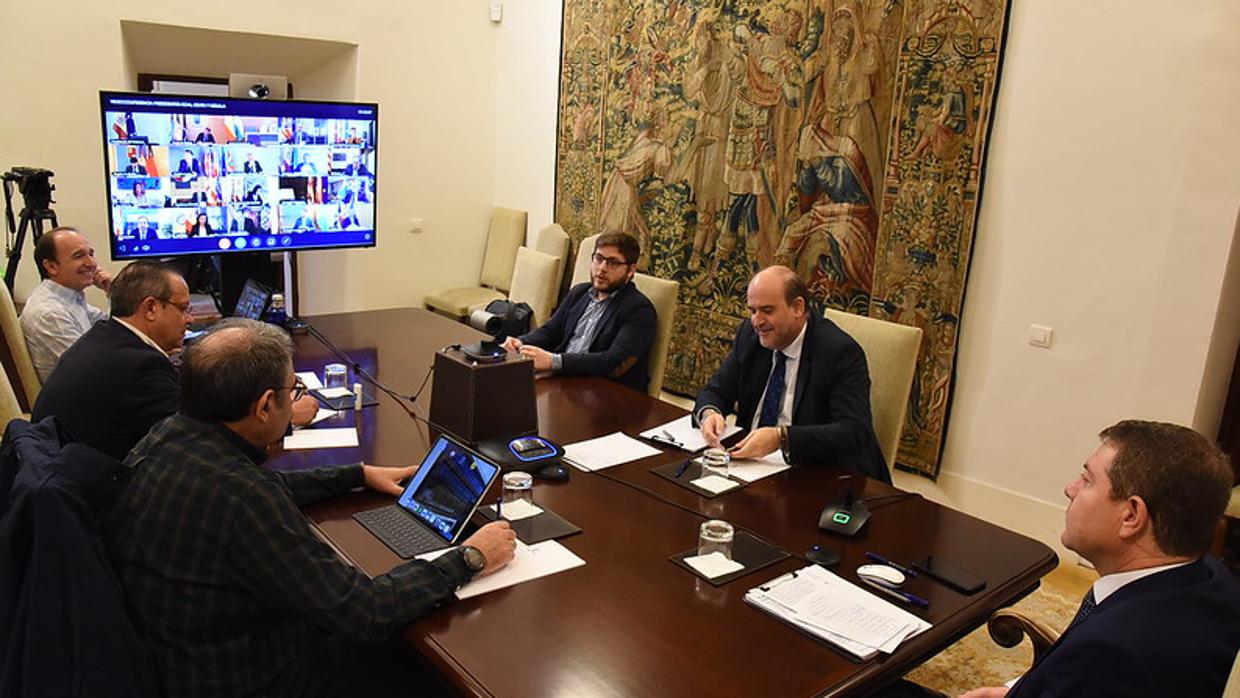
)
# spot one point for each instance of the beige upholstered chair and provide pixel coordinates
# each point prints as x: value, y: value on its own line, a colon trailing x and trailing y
x: 506, y: 236
x: 9, y: 409
x: 663, y: 295
x: 535, y: 281
x: 581, y: 269
x: 891, y: 352
x: 554, y: 241
x: 21, y: 374
x: 1232, y: 689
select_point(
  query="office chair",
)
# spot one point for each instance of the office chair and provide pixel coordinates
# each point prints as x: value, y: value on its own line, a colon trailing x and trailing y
x: 554, y: 241
x: 536, y: 281
x: 581, y: 267
x: 507, y: 234
x: 663, y: 295
x: 891, y: 353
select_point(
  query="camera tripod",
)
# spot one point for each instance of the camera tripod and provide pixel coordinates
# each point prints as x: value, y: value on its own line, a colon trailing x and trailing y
x: 34, y: 214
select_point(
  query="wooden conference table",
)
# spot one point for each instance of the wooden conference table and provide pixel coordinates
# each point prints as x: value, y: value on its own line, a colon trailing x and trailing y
x: 630, y: 622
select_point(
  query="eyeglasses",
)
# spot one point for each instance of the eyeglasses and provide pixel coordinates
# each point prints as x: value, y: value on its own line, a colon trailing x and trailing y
x: 299, y: 389
x: 183, y: 307
x: 609, y: 262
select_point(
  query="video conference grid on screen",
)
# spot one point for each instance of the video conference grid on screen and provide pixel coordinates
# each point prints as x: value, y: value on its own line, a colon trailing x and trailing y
x: 198, y: 175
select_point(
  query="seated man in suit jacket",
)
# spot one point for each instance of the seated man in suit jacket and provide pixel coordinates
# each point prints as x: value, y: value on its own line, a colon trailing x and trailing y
x: 1163, y: 619
x: 116, y: 381
x: 604, y: 327
x: 796, y: 382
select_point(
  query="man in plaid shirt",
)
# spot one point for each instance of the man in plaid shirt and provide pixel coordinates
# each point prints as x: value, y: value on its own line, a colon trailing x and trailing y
x: 232, y: 590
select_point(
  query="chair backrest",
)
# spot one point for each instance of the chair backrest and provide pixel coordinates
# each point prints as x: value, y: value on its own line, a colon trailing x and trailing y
x: 891, y: 352
x: 554, y: 241
x: 663, y: 295
x: 506, y: 236
x: 10, y: 409
x: 22, y: 375
x: 581, y: 268
x: 535, y: 281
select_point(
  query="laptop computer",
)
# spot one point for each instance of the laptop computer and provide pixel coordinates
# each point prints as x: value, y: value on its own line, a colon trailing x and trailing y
x: 437, y: 503
x: 253, y: 301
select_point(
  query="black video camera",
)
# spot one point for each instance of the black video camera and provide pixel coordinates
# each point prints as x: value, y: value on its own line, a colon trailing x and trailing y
x: 35, y: 185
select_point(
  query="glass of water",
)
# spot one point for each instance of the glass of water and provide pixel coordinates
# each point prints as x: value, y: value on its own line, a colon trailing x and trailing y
x: 715, y: 536
x: 335, y: 376
x: 715, y: 462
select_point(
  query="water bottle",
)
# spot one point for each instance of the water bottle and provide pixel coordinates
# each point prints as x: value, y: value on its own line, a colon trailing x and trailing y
x: 275, y: 313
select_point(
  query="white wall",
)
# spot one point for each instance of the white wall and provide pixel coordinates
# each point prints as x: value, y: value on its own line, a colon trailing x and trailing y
x: 430, y: 65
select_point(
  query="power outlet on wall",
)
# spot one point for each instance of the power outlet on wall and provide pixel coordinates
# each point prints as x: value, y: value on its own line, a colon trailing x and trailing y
x: 415, y: 225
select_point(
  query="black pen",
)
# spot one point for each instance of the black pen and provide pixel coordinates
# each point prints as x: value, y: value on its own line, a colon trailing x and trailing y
x: 683, y: 467
x: 498, y: 502
x: 896, y: 593
x: 908, y: 572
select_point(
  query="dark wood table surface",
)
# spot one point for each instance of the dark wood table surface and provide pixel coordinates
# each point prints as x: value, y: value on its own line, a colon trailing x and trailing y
x: 630, y: 622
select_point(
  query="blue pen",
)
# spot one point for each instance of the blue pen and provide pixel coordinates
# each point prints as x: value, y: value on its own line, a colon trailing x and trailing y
x: 683, y: 466
x: 899, y: 594
x: 908, y: 572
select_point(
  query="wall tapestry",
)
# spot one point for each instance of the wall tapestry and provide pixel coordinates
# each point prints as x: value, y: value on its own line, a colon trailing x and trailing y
x: 842, y: 138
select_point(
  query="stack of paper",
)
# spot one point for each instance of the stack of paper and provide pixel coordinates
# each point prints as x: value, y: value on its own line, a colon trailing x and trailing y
x: 682, y: 434
x: 837, y: 611
x: 528, y: 562
x: 606, y: 451
x: 751, y: 469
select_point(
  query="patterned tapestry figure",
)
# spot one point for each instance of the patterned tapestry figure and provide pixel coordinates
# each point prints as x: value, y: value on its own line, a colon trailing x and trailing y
x: 647, y: 157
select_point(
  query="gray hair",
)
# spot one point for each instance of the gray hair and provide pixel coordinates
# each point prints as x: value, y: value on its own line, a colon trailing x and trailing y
x: 225, y: 371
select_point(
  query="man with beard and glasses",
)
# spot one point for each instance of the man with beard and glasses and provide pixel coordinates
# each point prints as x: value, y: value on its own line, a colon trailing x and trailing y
x: 604, y: 327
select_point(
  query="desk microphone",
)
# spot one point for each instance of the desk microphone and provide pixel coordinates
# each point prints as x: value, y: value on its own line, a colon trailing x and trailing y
x: 846, y: 517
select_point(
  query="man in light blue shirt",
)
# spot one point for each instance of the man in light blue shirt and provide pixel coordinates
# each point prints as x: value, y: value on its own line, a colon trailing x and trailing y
x: 57, y: 313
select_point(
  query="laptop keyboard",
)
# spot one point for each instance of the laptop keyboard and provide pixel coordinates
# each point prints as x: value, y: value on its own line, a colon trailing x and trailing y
x: 405, y: 536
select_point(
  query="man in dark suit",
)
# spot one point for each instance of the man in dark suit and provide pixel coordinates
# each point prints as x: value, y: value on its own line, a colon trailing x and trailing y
x: 1163, y: 619
x: 252, y: 166
x: 116, y: 381
x: 796, y: 381
x: 604, y: 327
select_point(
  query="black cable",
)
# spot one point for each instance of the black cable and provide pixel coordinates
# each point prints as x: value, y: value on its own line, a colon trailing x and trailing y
x: 400, y: 398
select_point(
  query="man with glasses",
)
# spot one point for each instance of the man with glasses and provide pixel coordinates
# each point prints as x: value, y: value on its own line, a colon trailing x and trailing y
x: 604, y: 327
x: 232, y: 590
x: 117, y: 381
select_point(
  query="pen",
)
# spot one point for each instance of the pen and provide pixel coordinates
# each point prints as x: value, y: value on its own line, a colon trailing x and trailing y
x: 896, y: 593
x: 667, y: 436
x: 499, y: 502
x: 683, y: 467
x: 908, y: 572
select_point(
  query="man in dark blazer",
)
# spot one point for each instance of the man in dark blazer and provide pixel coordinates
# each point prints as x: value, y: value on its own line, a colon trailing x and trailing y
x: 1163, y: 619
x: 116, y: 381
x: 604, y: 327
x: 818, y: 412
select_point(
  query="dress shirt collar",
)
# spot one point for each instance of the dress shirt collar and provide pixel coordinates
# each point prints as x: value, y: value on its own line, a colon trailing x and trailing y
x: 141, y: 335
x: 793, y: 351
x: 1111, y: 583
x: 63, y: 292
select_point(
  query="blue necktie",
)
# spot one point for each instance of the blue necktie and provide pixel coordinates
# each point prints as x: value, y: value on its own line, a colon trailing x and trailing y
x: 774, y: 394
x: 1087, y: 607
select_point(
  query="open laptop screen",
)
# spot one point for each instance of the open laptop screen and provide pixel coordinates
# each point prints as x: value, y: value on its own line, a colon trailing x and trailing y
x: 447, y: 488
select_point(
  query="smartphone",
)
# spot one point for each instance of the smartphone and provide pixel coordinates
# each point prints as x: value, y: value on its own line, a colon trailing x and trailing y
x: 959, y: 579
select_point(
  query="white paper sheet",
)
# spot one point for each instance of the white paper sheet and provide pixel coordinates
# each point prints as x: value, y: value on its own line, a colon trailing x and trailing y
x: 751, y: 469
x: 682, y: 434
x: 715, y: 483
x: 529, y: 562
x: 607, y: 451
x: 345, y: 437
x: 713, y: 565
x: 322, y: 414
x: 514, y: 511
x: 311, y: 379
x: 333, y: 393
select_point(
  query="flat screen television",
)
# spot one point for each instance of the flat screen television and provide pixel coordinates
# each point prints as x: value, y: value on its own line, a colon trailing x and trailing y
x: 190, y: 175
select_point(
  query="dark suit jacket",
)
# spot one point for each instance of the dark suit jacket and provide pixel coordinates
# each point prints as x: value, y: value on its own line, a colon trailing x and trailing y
x: 109, y: 389
x: 621, y: 347
x: 1174, y: 633
x: 831, y: 421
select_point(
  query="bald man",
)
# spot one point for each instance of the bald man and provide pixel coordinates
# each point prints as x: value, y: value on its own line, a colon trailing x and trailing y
x: 57, y: 314
x: 796, y: 382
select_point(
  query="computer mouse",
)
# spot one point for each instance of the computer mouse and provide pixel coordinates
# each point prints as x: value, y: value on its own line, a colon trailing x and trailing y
x: 821, y: 556
x: 881, y: 573
x: 553, y: 472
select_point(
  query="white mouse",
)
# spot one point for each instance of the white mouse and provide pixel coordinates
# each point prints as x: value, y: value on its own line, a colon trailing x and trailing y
x: 881, y: 573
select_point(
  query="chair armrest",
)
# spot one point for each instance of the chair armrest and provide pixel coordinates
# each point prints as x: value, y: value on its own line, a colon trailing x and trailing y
x: 1007, y: 628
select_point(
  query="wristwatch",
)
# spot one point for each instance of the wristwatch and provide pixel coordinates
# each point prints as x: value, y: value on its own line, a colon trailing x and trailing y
x: 783, y: 442
x: 474, y: 559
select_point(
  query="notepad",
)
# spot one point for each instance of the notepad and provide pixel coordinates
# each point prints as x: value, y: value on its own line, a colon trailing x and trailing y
x: 606, y: 451
x: 753, y: 469
x: 713, y: 565
x: 833, y: 609
x: 682, y: 434
x: 345, y: 437
x: 515, y: 511
x: 715, y: 483
x: 310, y: 379
x: 529, y: 562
